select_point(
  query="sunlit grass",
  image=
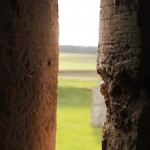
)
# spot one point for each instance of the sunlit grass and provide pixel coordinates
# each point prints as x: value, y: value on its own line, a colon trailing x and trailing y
x: 71, y: 61
x: 74, y: 130
x: 86, y: 84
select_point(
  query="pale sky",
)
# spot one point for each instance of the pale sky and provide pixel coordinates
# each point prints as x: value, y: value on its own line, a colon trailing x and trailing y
x: 79, y: 22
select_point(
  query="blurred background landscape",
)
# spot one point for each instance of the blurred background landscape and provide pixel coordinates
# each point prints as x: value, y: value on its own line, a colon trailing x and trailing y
x: 78, y: 39
x: 77, y: 77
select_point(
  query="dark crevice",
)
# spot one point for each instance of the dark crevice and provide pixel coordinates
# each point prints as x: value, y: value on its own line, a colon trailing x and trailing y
x: 144, y: 25
x: 144, y: 75
x: 15, y: 5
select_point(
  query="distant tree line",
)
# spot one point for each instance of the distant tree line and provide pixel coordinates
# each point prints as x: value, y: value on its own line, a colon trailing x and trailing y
x: 78, y: 49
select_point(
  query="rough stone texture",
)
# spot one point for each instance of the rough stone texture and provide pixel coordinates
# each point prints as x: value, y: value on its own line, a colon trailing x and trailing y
x: 124, y: 65
x: 98, y: 108
x: 28, y: 74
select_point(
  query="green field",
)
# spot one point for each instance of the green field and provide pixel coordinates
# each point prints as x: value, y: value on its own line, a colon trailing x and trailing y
x: 74, y: 130
x: 71, y: 61
x: 79, y: 83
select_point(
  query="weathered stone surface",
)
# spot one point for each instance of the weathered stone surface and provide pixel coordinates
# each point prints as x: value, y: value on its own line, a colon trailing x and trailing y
x: 124, y: 65
x: 28, y: 74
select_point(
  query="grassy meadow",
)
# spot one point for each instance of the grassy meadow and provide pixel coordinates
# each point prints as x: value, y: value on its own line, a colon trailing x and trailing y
x: 74, y: 130
x: 72, y: 61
